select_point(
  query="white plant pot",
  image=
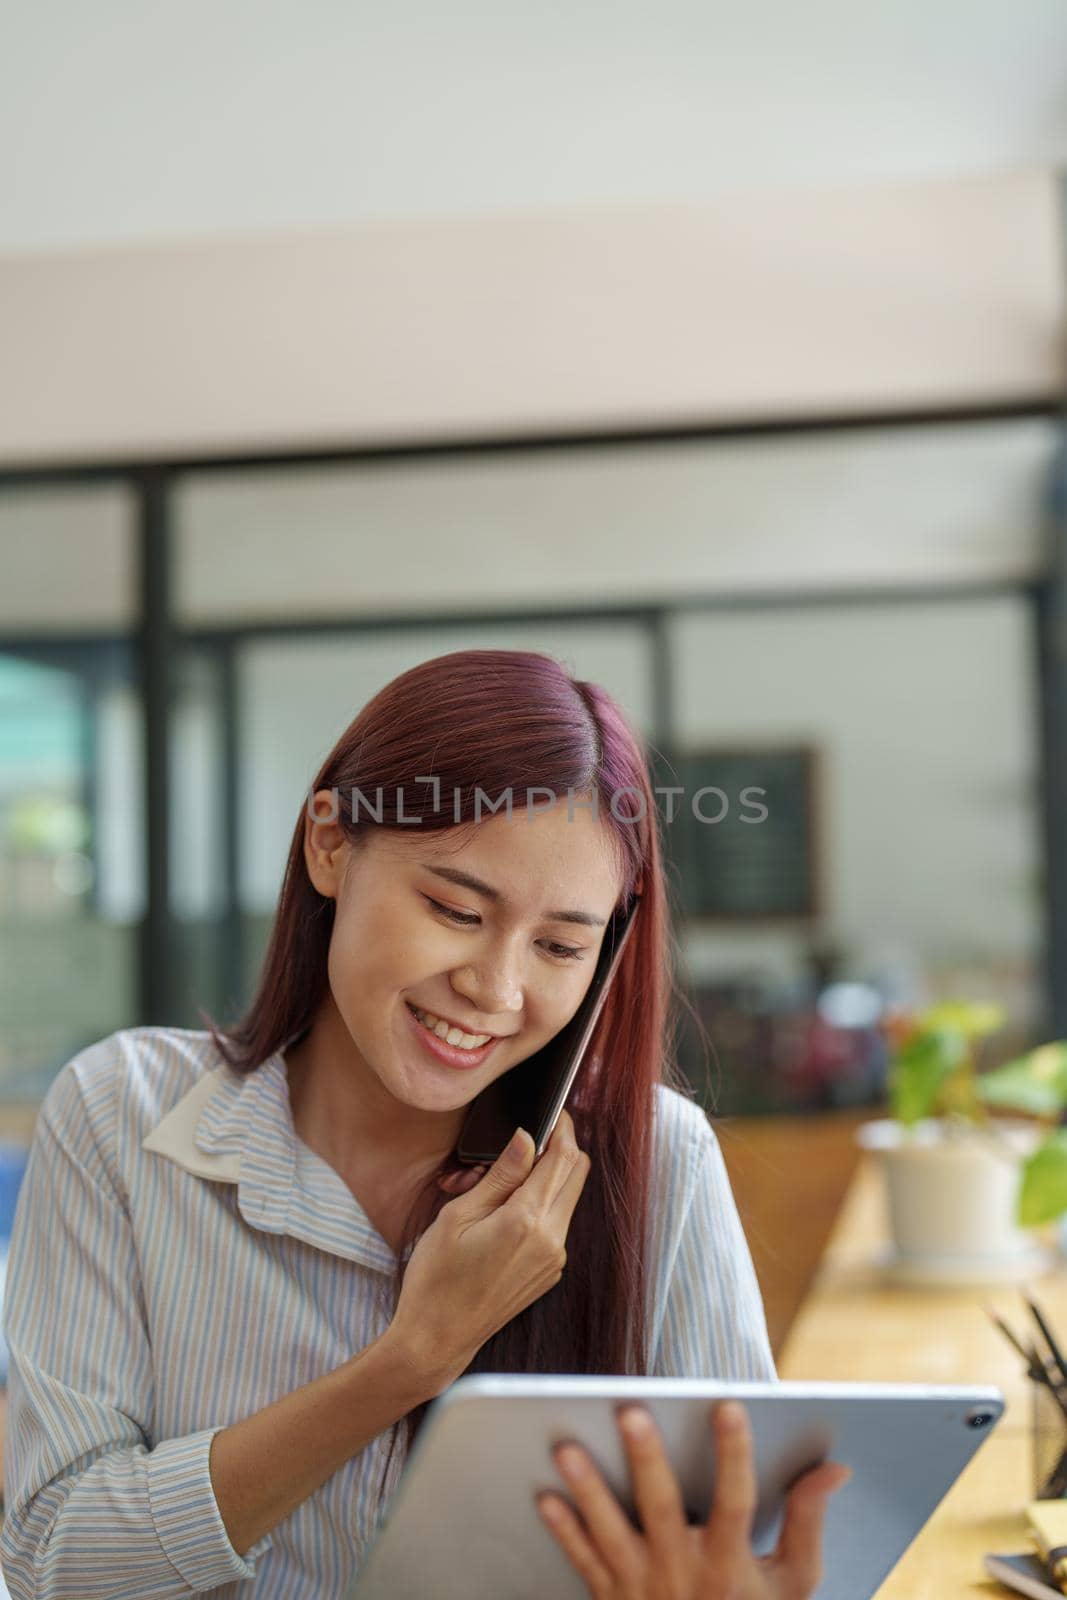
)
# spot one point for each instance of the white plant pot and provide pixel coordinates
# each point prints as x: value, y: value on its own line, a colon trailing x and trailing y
x: 952, y: 1195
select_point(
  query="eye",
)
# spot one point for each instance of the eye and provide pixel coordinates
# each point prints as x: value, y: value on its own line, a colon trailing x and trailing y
x: 468, y: 919
x: 566, y: 953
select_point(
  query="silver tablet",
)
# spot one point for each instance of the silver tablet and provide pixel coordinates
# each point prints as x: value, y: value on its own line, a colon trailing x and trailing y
x: 463, y: 1520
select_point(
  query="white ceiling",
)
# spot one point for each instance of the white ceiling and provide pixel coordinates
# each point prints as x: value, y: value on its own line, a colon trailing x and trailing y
x: 126, y: 119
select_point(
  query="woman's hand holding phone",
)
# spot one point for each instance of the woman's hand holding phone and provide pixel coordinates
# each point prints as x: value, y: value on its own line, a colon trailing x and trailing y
x: 489, y: 1253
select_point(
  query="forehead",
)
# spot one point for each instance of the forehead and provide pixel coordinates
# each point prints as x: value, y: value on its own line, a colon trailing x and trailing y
x: 525, y: 856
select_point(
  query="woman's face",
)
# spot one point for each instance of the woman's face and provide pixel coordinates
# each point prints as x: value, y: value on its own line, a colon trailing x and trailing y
x: 501, y: 961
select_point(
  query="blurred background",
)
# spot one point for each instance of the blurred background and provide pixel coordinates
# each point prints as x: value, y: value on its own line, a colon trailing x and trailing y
x: 718, y: 351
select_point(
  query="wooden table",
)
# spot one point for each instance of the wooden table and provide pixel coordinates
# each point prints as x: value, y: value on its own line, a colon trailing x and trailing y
x: 854, y: 1327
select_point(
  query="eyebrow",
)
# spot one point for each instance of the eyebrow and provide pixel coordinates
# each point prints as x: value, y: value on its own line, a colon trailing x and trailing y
x: 468, y: 881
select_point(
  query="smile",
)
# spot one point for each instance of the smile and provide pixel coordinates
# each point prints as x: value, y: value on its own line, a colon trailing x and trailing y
x: 447, y: 1043
x: 449, y: 1032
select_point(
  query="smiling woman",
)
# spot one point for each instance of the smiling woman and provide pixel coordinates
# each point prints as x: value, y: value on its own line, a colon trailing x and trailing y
x: 439, y: 906
x: 247, y: 1258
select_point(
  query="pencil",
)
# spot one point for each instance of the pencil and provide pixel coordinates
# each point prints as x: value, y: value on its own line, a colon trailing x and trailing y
x: 1035, y: 1368
x: 1057, y: 1354
x: 1029, y: 1356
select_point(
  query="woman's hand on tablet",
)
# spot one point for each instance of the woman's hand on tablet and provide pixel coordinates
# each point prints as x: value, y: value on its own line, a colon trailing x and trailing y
x: 489, y: 1253
x: 671, y: 1559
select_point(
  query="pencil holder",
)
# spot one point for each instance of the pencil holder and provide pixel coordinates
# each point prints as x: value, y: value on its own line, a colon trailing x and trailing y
x: 1049, y: 1442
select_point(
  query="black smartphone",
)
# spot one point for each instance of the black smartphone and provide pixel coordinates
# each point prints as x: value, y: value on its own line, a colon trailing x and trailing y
x: 532, y: 1094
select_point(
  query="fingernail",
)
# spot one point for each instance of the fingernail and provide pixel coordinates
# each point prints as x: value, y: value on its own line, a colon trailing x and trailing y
x: 517, y: 1140
x: 638, y: 1424
x: 828, y: 1491
x: 571, y: 1461
x: 550, y: 1509
x: 730, y: 1414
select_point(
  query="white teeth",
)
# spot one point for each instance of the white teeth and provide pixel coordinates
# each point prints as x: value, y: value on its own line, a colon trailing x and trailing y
x: 452, y: 1035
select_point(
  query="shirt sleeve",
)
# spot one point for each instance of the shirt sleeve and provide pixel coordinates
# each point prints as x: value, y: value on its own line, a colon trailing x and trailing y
x: 714, y: 1324
x: 90, y: 1509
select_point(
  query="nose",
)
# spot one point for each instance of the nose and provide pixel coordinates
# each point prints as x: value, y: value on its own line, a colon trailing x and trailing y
x: 489, y: 989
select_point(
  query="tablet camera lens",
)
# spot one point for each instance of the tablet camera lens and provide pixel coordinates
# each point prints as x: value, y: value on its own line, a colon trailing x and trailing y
x: 979, y: 1419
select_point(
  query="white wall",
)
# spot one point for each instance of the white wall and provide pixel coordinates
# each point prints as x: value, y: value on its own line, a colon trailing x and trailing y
x: 254, y: 227
x: 918, y: 296
x: 123, y: 121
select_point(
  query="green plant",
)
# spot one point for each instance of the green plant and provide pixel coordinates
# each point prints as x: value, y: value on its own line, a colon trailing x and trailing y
x: 934, y: 1071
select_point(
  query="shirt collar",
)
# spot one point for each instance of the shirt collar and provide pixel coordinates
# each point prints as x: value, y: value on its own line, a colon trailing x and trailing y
x: 237, y: 1127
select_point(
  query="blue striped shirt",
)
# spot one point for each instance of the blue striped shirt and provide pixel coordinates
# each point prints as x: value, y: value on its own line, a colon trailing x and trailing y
x: 181, y: 1259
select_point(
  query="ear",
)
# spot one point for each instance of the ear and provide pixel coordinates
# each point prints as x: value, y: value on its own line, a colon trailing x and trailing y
x: 326, y: 848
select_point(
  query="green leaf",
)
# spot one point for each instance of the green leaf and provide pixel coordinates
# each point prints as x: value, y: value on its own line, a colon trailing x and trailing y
x: 973, y: 1019
x: 919, y: 1068
x: 1035, y: 1082
x: 1043, y: 1186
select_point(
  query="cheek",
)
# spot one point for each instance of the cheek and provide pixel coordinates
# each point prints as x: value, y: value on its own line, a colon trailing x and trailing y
x: 560, y: 999
x: 375, y: 953
x: 575, y: 982
x: 360, y: 960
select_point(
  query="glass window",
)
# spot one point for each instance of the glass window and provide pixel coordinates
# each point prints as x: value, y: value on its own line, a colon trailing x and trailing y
x: 71, y: 857
x: 923, y: 719
x: 72, y: 881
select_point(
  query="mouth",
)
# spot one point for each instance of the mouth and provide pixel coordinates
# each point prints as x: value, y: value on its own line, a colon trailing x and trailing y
x: 424, y: 1024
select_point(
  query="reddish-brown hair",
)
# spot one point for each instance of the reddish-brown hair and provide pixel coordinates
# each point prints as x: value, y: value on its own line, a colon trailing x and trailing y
x: 494, y: 720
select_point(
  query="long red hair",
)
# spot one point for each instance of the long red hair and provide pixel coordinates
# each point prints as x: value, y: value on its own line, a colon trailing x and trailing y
x: 495, y: 720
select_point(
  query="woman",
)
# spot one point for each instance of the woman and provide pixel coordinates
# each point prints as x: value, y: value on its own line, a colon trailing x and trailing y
x: 245, y: 1261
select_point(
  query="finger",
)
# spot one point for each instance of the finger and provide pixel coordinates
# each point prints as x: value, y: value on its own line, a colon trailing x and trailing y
x: 798, y: 1551
x: 567, y: 1530
x: 727, y: 1535
x: 607, y: 1526
x: 572, y: 1174
x: 657, y: 1496
x: 554, y: 1167
x: 570, y: 1192
x: 507, y: 1174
